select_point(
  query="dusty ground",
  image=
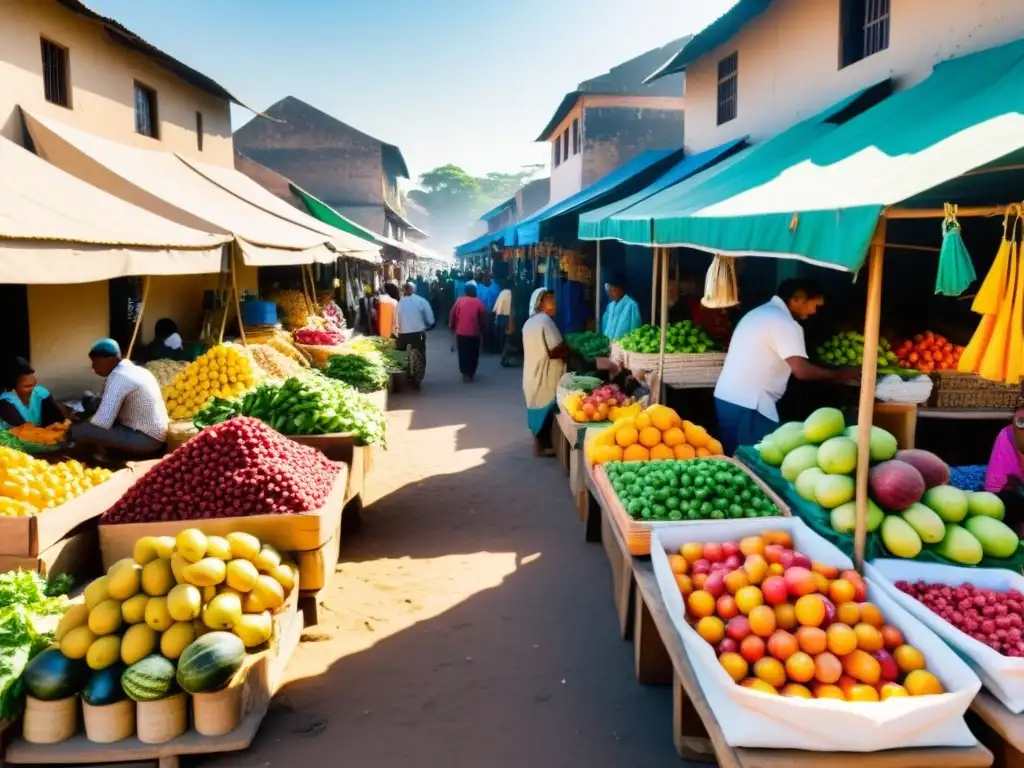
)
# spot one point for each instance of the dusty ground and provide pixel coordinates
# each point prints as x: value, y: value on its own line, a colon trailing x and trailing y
x: 469, y: 623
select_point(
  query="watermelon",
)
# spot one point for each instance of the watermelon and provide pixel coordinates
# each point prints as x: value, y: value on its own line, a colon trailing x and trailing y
x: 149, y: 680
x: 51, y: 675
x: 210, y: 662
x: 104, y: 687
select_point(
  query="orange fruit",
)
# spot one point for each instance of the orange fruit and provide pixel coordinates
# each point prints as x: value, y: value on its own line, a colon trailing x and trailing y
x: 673, y: 437
x: 684, y: 451
x: 868, y: 638
x: 781, y: 538
x: 862, y: 693
x: 863, y: 667
x: 827, y: 668
x: 752, y: 648
x: 712, y: 629
x: 782, y: 645
x: 735, y: 581
x: 678, y: 564
x: 841, y: 591
x: 662, y: 451
x: 752, y: 545
x: 696, y: 436
x: 892, y: 637
x: 700, y: 604
x: 734, y: 665
x: 796, y: 691
x: 800, y: 667
x: 715, y: 447
x: 685, y: 584
x: 749, y: 598
x: 650, y: 437
x: 812, y: 640
x: 692, y: 551
x: 703, y: 453
x: 841, y: 639
x: 643, y: 421
x: 785, y: 616
x: 605, y: 453
x: 810, y: 610
x: 829, y: 692
x: 889, y: 690
x: 762, y: 620
x: 771, y: 671
x: 636, y: 452
x: 726, y: 608
x: 627, y: 436
x: 759, y: 685
x: 663, y: 418
x: 848, y: 613
x: 908, y: 659
x: 870, y: 614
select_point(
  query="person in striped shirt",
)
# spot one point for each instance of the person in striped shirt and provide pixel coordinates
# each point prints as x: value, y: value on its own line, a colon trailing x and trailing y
x: 131, y: 417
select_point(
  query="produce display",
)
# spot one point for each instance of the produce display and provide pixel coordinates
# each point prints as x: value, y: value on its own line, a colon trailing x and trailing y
x: 588, y: 344
x: 226, y: 370
x: 580, y: 383
x: 305, y: 405
x: 928, y: 352
x: 847, y: 348
x: 697, y: 489
x: 292, y: 306
x: 990, y: 617
x: 26, y: 602
x: 179, y: 614
x: 911, y: 502
x: 657, y: 433
x: 680, y: 338
x: 46, y: 436
x: 164, y: 371
x: 369, y: 346
x: 282, y: 342
x: 783, y: 625
x: 326, y: 336
x: 30, y: 486
x: 238, y: 468
x: 7, y: 440
x: 604, y: 403
x: 365, y: 373
x: 275, y: 364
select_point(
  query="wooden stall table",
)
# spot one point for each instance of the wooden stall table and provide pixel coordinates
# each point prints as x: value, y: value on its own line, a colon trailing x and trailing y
x: 601, y: 527
x: 569, y: 436
x: 999, y: 729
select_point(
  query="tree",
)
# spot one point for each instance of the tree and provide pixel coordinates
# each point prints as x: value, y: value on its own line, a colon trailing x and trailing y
x: 496, y: 187
x: 448, y: 193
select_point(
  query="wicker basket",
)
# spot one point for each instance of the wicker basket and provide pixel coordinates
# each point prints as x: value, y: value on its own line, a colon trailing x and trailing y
x: 682, y: 371
x: 965, y: 391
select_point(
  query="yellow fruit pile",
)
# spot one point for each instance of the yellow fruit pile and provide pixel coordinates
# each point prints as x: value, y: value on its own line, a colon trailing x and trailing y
x: 28, y: 485
x: 293, y: 307
x: 657, y: 433
x: 172, y: 591
x: 573, y: 405
x: 224, y: 371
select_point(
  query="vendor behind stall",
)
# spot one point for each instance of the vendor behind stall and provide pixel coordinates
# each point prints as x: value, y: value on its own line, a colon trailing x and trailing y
x: 167, y: 343
x: 26, y: 401
x: 767, y: 347
x: 131, y: 417
x: 622, y: 314
x: 1005, y: 473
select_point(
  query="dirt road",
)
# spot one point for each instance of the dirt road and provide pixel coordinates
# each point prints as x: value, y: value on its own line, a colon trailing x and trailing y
x: 469, y: 623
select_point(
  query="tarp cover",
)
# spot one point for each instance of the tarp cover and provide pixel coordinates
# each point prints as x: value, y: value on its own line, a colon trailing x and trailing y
x: 55, y: 228
x: 816, y: 191
x: 161, y: 183
x: 637, y: 170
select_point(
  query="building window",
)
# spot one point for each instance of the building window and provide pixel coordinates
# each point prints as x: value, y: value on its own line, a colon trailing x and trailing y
x: 864, y: 29
x: 576, y: 136
x: 199, y: 131
x: 565, y: 145
x: 556, y: 145
x: 728, y: 87
x: 146, y: 115
x: 55, y: 73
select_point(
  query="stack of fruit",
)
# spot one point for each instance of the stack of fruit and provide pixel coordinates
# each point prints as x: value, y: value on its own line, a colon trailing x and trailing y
x: 605, y: 403
x: 847, y: 348
x: 928, y: 352
x: 30, y: 486
x: 782, y: 624
x: 226, y: 370
x: 164, y: 371
x: 697, y: 489
x: 588, y: 345
x: 656, y: 433
x: 911, y: 503
x: 686, y: 338
x: 180, y: 613
x: 50, y: 435
x: 273, y: 363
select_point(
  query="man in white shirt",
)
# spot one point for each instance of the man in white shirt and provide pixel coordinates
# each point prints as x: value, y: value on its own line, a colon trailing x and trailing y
x: 414, y: 317
x: 766, y: 348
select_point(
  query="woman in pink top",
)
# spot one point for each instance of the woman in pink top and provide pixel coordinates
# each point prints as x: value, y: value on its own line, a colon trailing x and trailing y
x: 467, y: 321
x: 1005, y: 470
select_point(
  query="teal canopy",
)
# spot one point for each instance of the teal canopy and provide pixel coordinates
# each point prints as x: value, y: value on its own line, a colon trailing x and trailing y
x: 622, y: 181
x: 816, y: 191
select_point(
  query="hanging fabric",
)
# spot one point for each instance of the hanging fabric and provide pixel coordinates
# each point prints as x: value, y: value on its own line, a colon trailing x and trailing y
x: 956, y: 270
x: 720, y: 290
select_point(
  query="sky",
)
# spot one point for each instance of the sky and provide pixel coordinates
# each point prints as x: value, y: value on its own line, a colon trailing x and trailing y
x: 449, y: 81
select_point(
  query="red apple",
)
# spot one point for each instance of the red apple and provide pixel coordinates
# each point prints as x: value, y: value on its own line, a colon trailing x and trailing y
x: 799, y: 558
x: 730, y: 548
x: 787, y: 559
x: 728, y: 645
x: 890, y: 670
x: 713, y: 552
x: 737, y: 628
x: 715, y: 584
x: 701, y: 566
x: 775, y: 590
x: 800, y: 581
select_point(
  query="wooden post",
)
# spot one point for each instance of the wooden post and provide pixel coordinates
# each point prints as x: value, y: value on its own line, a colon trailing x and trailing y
x: 597, y: 293
x: 138, y: 320
x: 664, y: 324
x: 654, y: 288
x: 238, y: 299
x: 865, y: 412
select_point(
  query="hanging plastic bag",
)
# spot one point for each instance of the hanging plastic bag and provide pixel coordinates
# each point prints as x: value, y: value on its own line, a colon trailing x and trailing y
x: 720, y: 290
x: 956, y: 270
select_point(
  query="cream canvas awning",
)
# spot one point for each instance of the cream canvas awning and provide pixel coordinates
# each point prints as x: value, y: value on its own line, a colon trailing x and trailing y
x: 55, y: 228
x: 163, y: 184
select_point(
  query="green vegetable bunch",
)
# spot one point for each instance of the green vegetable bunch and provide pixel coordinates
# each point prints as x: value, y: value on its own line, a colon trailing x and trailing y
x: 588, y: 345
x: 847, y: 348
x: 694, y: 489
x: 680, y: 338
x: 365, y: 373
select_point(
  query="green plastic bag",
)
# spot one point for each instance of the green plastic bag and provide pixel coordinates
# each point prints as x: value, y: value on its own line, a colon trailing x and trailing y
x: 956, y: 270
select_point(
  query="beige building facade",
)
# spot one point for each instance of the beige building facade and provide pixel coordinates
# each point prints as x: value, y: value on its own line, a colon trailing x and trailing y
x: 801, y: 56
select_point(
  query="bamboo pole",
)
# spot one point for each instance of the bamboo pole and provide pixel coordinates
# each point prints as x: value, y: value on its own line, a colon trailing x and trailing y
x: 654, y: 288
x: 598, y: 290
x: 940, y: 213
x: 865, y: 411
x: 664, y: 324
x: 238, y: 302
x: 142, y: 311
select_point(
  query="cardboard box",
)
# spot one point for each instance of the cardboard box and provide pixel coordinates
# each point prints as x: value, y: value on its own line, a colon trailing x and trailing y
x: 77, y: 555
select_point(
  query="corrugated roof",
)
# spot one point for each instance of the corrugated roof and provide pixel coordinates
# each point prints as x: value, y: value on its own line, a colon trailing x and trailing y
x: 498, y: 209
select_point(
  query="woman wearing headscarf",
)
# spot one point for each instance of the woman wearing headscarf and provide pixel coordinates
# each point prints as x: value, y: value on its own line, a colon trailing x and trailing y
x: 167, y: 343
x: 26, y: 401
x: 544, y: 356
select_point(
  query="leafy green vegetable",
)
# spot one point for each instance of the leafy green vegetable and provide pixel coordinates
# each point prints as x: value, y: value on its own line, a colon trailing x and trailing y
x: 365, y: 373
x: 588, y: 344
x: 28, y: 588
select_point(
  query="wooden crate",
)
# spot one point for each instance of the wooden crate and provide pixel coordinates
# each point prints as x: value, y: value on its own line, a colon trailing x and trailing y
x: 28, y: 536
x: 999, y: 729
x: 286, y: 533
x: 77, y: 555
x: 342, y: 448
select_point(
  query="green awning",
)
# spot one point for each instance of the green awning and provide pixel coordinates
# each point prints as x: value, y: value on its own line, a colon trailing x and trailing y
x: 816, y: 191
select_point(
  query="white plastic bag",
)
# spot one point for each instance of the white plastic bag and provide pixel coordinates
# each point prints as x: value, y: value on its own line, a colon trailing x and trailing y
x: 752, y: 719
x: 1002, y: 675
x: 893, y: 389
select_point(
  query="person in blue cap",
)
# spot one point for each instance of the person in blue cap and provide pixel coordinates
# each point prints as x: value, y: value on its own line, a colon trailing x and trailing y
x: 131, y: 418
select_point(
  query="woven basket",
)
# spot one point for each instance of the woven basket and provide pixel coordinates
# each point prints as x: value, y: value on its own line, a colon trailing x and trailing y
x: 966, y: 391
x: 682, y: 371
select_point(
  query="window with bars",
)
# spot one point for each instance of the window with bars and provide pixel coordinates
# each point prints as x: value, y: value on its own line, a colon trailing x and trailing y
x: 55, y: 73
x: 864, y: 29
x: 576, y: 136
x: 728, y: 87
x: 199, y: 131
x: 146, y: 116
